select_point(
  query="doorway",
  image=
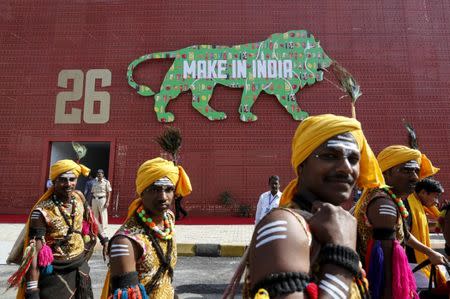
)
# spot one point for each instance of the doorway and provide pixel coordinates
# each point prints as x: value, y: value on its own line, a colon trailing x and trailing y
x: 97, y: 157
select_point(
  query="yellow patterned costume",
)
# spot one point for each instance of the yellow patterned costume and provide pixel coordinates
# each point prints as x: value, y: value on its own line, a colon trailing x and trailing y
x: 148, y: 264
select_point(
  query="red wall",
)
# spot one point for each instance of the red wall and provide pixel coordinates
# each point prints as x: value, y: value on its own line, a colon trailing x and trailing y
x: 398, y: 51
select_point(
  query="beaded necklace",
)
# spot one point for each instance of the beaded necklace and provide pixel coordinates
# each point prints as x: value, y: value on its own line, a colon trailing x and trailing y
x: 70, y: 222
x: 399, y: 202
x: 168, y: 224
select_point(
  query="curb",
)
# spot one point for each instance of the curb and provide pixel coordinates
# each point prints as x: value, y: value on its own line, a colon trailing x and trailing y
x: 211, y: 250
x: 205, y: 250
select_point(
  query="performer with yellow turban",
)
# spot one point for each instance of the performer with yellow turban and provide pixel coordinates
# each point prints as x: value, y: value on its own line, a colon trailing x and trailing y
x: 308, y: 247
x: 143, y: 251
x: 60, y: 235
x: 420, y: 205
x: 382, y: 227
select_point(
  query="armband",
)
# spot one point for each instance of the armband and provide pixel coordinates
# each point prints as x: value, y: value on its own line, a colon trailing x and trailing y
x: 341, y: 256
x: 384, y: 233
x: 37, y: 232
x: 125, y: 280
x: 277, y: 284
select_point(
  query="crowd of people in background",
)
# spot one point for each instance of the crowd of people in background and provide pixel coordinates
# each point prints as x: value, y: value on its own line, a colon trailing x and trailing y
x: 317, y: 249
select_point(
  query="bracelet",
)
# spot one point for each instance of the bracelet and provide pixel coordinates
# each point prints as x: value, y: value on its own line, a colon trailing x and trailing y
x: 32, y: 294
x: 341, y: 256
x: 103, y: 240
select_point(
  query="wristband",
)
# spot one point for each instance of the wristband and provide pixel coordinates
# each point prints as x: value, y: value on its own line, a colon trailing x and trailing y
x: 103, y: 240
x: 33, y: 294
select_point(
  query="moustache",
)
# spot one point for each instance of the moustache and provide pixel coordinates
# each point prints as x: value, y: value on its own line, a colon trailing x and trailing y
x: 340, y: 179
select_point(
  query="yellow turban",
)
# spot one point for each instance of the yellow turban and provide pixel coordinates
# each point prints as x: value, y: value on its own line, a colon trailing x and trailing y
x: 314, y: 131
x: 56, y: 169
x: 153, y: 170
x: 397, y: 154
x: 149, y: 172
x: 63, y: 166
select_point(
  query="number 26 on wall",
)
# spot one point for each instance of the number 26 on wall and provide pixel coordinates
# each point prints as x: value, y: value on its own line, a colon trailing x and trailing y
x: 90, y: 97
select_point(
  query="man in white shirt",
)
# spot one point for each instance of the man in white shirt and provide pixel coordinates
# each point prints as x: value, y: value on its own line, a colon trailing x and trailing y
x: 268, y: 200
x: 101, y: 195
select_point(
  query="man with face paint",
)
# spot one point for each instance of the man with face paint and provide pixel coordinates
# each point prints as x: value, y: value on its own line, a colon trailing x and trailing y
x: 143, y: 251
x: 382, y: 227
x: 60, y: 236
x: 312, y: 242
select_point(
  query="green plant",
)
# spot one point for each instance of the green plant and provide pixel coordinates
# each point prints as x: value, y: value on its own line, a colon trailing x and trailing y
x: 226, y: 198
x: 244, y: 210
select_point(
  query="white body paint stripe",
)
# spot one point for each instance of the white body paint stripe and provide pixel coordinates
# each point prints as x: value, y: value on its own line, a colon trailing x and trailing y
x: 338, y: 281
x: 388, y: 207
x: 330, y: 292
x: 120, y: 254
x: 388, y: 210
x: 334, y: 288
x: 119, y: 250
x: 274, y: 223
x: 119, y: 245
x: 270, y: 239
x: 271, y: 231
x: 388, y: 213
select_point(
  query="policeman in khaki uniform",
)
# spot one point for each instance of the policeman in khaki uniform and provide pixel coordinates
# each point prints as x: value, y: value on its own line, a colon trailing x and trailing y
x: 101, y: 195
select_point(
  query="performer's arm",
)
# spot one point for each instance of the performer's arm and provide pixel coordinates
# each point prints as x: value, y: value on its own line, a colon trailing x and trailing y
x: 36, y: 232
x: 382, y: 214
x: 281, y: 236
x: 435, y: 257
x: 123, y: 255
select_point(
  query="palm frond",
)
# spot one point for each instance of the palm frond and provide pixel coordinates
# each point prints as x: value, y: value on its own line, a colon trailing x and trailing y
x: 170, y: 141
x: 412, y: 136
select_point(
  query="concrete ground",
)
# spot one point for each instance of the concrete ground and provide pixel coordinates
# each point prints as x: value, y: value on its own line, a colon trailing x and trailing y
x: 211, y: 240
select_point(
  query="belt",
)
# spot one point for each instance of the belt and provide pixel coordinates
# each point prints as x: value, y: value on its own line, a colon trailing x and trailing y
x: 99, y: 197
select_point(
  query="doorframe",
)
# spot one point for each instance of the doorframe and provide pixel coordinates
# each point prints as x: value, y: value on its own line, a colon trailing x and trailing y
x: 47, y: 151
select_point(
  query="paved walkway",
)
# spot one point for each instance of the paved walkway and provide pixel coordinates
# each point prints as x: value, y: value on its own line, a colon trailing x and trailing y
x: 211, y: 240
x: 192, y: 240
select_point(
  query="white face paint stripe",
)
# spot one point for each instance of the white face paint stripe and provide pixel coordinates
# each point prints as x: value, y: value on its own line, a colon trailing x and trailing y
x: 119, y: 245
x: 388, y: 213
x: 120, y: 254
x: 338, y: 281
x: 275, y: 229
x: 329, y: 291
x: 274, y: 223
x: 411, y: 164
x: 333, y: 289
x: 270, y: 239
x: 342, y: 144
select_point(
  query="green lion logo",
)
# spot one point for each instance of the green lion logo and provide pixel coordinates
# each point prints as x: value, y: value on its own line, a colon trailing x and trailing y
x: 279, y: 66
